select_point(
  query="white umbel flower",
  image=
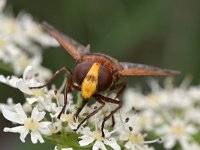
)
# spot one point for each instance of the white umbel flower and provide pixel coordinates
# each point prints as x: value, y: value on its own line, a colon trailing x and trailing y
x: 34, y: 30
x: 178, y: 131
x: 89, y: 137
x: 33, y: 124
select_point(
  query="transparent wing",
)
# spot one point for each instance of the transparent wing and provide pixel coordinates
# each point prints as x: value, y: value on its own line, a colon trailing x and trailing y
x: 75, y: 49
x: 133, y: 69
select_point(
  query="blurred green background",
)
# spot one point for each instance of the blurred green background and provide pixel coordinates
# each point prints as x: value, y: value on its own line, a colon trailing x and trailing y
x: 161, y: 33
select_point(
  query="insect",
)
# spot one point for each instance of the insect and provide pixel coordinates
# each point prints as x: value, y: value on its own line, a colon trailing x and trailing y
x: 95, y: 73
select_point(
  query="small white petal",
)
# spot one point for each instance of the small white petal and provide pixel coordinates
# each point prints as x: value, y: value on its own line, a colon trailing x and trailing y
x: 31, y: 100
x: 169, y: 143
x: 129, y: 145
x: 36, y: 115
x: 86, y: 140
x: 20, y: 129
x: 99, y: 145
x: 67, y: 149
x: 18, y: 117
x: 10, y: 115
x: 44, y: 128
x: 22, y: 86
x: 20, y: 111
x: 112, y: 143
x: 35, y: 136
x: 10, y: 80
x: 73, y: 126
x: 86, y: 131
x: 2, y: 79
x: 27, y: 72
x: 191, y: 129
x: 24, y: 134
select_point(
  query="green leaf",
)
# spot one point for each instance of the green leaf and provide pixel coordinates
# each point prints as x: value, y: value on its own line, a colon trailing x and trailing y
x: 6, y: 67
x: 67, y: 140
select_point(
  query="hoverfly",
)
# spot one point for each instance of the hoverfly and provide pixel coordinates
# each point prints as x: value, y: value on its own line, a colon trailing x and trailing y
x: 95, y: 73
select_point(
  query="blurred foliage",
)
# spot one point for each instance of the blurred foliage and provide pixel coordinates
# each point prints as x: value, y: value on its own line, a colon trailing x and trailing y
x: 160, y: 33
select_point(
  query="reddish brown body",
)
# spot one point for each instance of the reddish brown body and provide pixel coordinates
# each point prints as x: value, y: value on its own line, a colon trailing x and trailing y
x: 109, y: 74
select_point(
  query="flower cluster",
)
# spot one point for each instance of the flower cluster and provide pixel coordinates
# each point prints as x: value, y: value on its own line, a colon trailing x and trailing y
x: 21, y: 39
x: 167, y: 116
x: 170, y: 113
x: 38, y: 116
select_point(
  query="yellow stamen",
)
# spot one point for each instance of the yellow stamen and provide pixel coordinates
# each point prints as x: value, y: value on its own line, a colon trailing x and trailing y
x: 2, y: 43
x: 136, y: 138
x: 67, y: 117
x: 153, y: 100
x: 31, y: 124
x: 89, y: 85
x: 178, y: 130
x: 11, y: 26
x: 98, y: 135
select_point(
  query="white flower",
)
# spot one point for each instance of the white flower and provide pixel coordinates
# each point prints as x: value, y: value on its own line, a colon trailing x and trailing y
x: 19, y: 38
x: 27, y: 81
x: 135, y: 141
x: 177, y: 131
x: 192, y: 146
x: 130, y: 132
x: 194, y: 93
x: 34, y: 31
x: 132, y: 99
x: 146, y: 120
x: 156, y: 100
x: 69, y: 118
x: 2, y: 4
x: 192, y: 115
x: 5, y: 46
x: 10, y: 80
x: 55, y: 127
x: 33, y: 124
x: 56, y: 148
x: 89, y: 137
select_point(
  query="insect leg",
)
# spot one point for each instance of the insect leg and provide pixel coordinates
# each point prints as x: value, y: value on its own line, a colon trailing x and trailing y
x: 94, y: 112
x: 121, y: 86
x: 68, y: 88
x: 110, y: 100
x: 63, y: 69
x: 84, y: 102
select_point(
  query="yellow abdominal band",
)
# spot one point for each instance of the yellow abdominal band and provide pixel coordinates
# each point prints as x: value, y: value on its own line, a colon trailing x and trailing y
x: 90, y: 82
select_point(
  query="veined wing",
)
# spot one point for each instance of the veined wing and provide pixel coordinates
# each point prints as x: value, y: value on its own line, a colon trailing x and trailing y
x: 75, y: 49
x: 133, y: 69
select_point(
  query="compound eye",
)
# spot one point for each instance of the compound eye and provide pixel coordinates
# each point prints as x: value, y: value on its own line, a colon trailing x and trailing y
x: 81, y: 70
x: 105, y: 79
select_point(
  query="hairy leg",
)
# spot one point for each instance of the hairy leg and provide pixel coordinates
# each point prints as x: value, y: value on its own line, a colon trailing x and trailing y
x: 63, y: 69
x: 109, y: 100
x: 94, y: 112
